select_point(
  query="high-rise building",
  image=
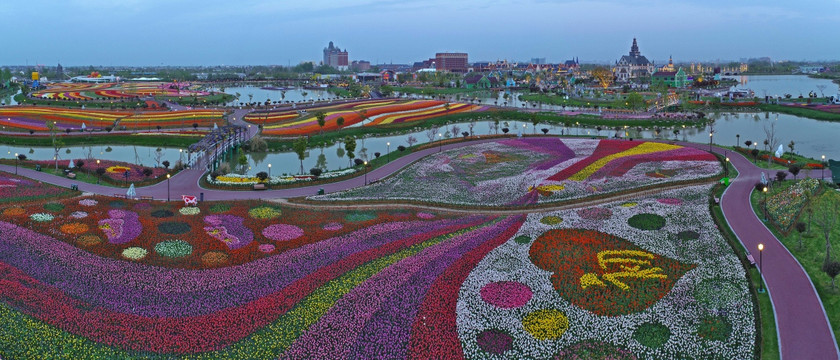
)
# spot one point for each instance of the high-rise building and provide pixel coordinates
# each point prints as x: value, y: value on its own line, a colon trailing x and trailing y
x: 538, y: 61
x: 454, y: 62
x: 335, y: 57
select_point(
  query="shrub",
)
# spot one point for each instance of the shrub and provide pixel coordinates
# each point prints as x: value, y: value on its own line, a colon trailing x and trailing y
x: 316, y: 172
x: 401, y: 148
x: 646, y: 221
x: 652, y: 335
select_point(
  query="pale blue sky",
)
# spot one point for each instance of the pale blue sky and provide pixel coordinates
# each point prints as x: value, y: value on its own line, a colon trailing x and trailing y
x: 237, y: 32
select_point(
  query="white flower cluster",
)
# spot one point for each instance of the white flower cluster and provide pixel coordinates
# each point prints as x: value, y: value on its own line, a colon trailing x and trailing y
x: 717, y: 272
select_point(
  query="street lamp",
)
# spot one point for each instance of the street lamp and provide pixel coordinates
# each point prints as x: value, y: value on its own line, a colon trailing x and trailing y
x: 388, y: 144
x: 440, y: 142
x: 97, y: 167
x: 16, y: 162
x: 764, y: 190
x: 822, y: 176
x: 167, y: 186
x: 726, y: 167
x: 366, y: 172
x: 710, y: 140
x: 760, y: 271
x: 269, y: 172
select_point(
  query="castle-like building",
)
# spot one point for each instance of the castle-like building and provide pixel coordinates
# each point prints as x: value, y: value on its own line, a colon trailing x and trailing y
x: 633, y: 66
x: 335, y: 57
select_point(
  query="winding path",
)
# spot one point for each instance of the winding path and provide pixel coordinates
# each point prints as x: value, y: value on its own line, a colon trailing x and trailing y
x: 803, y: 328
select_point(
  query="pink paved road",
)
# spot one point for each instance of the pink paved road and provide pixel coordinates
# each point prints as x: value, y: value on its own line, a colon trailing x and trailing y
x: 803, y: 328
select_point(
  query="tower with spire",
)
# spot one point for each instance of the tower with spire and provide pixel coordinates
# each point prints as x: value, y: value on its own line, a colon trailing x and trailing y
x: 633, y: 66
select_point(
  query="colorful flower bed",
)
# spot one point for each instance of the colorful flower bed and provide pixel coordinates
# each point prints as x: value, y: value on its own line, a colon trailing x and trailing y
x: 784, y: 208
x: 114, y: 170
x: 520, y: 172
x: 247, y: 180
x: 553, y: 291
x: 112, y: 91
x: 18, y: 189
x: 35, y: 118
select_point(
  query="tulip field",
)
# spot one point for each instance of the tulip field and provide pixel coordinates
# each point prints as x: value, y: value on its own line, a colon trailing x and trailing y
x: 526, y: 171
x: 647, y: 276
x: 36, y: 118
x: 370, y: 113
x: 113, y: 91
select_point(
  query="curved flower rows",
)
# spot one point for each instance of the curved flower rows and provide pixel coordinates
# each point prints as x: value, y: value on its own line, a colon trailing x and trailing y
x: 519, y: 172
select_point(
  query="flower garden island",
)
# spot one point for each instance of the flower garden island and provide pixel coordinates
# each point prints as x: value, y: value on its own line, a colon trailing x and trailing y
x: 509, y: 247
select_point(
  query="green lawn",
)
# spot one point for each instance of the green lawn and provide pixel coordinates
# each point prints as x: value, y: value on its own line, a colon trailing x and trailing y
x: 812, y: 253
x: 801, y: 112
x: 774, y: 166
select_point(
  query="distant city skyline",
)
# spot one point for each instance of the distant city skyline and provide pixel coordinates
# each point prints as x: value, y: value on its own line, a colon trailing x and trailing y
x: 190, y: 33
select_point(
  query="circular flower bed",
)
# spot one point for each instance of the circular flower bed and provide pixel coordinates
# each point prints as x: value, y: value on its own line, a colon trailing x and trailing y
x: 174, y: 228
x: 333, y: 226
x: 53, y: 207
x: 715, y: 328
x: 494, y: 341
x: 629, y: 204
x: 78, y: 215
x: 74, y: 228
x: 162, y: 213
x: 360, y: 216
x: 134, y: 253
x: 646, y: 221
x: 116, y: 204
x: 88, y: 202
x: 264, y: 212
x: 14, y: 211
x: 117, y: 169
x: 41, y: 217
x: 595, y: 350
x: 88, y: 240
x: 506, y: 294
x: 546, y: 324
x: 522, y: 239
x: 173, y: 248
x: 282, y: 232
x: 688, y: 235
x: 189, y: 210
x: 652, y: 335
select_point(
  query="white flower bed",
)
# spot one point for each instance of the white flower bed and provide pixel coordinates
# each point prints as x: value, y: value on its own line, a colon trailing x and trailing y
x: 678, y: 310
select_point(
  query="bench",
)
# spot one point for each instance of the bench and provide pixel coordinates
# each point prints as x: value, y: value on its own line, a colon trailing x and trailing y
x: 751, y: 259
x: 259, y: 186
x: 119, y: 195
x: 150, y: 198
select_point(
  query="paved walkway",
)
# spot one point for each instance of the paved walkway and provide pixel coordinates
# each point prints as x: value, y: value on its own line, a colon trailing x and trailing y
x: 802, y: 326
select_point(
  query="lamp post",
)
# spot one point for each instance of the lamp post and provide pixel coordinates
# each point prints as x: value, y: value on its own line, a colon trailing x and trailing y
x: 440, y: 142
x: 100, y: 176
x: 822, y: 176
x: 365, y: 172
x: 737, y: 139
x: 710, y: 140
x: 269, y: 172
x: 764, y: 190
x: 16, y: 162
x: 167, y: 186
x: 760, y: 270
x: 726, y: 167
x: 388, y: 144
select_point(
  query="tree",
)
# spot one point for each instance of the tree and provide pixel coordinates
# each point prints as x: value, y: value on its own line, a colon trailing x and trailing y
x: 505, y: 130
x: 411, y: 140
x: 635, y: 101
x: 339, y: 122
x: 772, y: 140
x: 794, y: 169
x: 146, y: 172
x: 262, y: 175
x: 821, y: 88
x: 316, y: 172
x: 350, y: 147
x: 321, y: 116
x: 790, y: 146
x: 781, y: 175
x: 603, y: 75
x: 832, y: 269
x: 57, y: 143
x: 257, y: 143
x: 101, y: 171
x: 748, y: 143
x: 195, y: 126
x: 754, y: 153
x: 544, y: 131
x: 158, y: 156
x: 827, y: 208
x: 299, y: 146
x: 535, y: 121
x: 800, y: 228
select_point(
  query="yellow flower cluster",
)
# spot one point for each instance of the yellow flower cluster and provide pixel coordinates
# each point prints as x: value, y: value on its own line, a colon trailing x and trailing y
x: 236, y: 179
x: 630, y: 262
x: 117, y: 169
x: 546, y: 324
